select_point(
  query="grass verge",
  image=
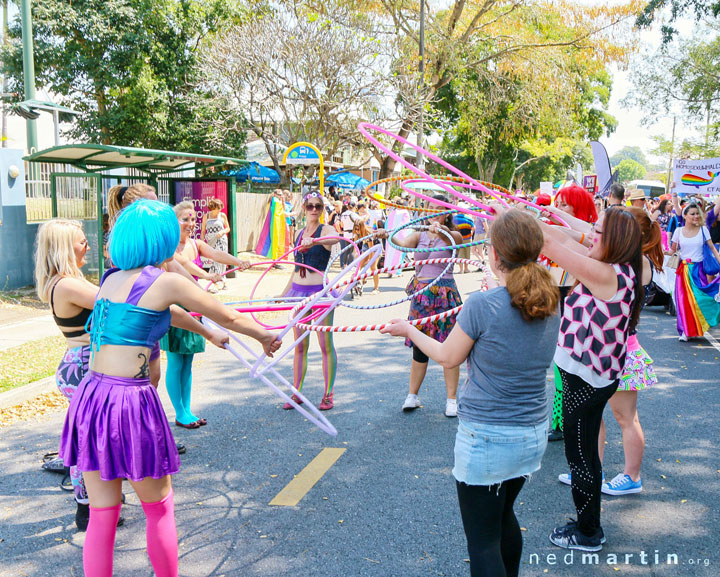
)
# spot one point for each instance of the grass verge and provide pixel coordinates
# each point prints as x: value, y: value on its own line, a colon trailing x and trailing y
x: 30, y: 362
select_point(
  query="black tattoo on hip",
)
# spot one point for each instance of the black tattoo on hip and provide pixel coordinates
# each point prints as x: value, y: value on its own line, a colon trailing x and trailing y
x: 144, y: 371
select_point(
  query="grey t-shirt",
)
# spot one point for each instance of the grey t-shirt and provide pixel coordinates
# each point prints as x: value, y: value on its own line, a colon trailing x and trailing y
x: 508, y: 363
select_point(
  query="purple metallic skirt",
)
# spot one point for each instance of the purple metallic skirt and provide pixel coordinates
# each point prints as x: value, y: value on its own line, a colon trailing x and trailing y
x: 305, y: 290
x: 116, y: 425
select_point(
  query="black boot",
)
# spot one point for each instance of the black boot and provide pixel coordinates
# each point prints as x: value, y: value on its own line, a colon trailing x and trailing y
x: 82, y: 517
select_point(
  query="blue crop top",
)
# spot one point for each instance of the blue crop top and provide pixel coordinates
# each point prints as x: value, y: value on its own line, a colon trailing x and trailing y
x: 126, y: 323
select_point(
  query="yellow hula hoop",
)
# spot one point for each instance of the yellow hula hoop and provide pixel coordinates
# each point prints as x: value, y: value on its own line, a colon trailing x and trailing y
x: 388, y: 202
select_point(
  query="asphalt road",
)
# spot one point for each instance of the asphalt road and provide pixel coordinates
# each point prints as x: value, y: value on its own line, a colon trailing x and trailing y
x: 387, y: 507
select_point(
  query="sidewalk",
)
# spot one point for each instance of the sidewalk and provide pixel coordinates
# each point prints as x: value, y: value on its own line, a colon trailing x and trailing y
x: 18, y: 333
x: 14, y: 332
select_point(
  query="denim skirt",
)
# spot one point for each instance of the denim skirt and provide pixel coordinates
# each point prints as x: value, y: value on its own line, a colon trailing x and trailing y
x: 490, y: 454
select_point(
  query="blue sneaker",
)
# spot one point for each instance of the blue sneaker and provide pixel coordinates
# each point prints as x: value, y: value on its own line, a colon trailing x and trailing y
x: 622, y: 485
x: 567, y: 478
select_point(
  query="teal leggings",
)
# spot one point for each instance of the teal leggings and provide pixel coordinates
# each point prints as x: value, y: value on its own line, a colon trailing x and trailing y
x: 178, y: 380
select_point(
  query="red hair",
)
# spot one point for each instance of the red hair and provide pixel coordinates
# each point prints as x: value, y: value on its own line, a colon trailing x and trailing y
x: 581, y: 200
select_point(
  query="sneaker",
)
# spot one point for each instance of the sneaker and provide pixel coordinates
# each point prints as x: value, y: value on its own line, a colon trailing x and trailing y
x: 622, y: 485
x: 600, y: 533
x: 555, y: 435
x: 288, y: 406
x: 683, y: 338
x: 567, y: 478
x: 411, y: 403
x: 570, y: 537
x: 326, y: 403
x: 375, y: 292
x: 451, y: 408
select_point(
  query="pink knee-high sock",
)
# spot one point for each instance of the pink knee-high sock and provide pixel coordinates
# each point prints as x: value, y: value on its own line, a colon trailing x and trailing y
x: 100, y: 541
x: 162, y: 544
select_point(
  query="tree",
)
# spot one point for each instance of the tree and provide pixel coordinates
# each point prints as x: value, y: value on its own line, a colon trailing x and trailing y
x: 302, y: 76
x: 682, y: 79
x: 127, y: 67
x: 629, y: 170
x: 488, y: 35
x: 674, y: 9
x: 526, y: 108
x: 632, y: 152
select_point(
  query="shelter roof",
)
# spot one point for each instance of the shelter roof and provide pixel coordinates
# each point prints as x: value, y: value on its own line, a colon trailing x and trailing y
x: 101, y: 157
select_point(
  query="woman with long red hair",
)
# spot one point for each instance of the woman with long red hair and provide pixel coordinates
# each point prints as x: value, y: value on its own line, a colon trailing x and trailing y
x: 576, y: 205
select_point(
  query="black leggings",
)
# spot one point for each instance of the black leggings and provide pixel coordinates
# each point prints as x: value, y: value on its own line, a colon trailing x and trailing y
x: 582, y: 410
x: 491, y: 528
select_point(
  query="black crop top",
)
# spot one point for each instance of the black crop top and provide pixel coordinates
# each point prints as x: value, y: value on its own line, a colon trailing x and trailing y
x: 317, y: 256
x: 79, y: 319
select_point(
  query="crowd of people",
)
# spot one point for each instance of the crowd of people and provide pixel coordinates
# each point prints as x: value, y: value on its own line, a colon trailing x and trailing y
x: 573, y: 294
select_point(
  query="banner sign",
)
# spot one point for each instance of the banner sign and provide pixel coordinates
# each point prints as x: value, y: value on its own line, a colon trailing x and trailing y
x: 590, y: 183
x: 547, y: 188
x: 199, y: 192
x: 697, y: 176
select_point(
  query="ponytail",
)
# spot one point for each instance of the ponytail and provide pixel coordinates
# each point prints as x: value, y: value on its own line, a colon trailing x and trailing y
x: 532, y: 291
x: 517, y: 240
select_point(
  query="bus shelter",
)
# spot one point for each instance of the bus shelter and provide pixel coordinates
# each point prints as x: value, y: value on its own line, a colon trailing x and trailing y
x: 82, y: 194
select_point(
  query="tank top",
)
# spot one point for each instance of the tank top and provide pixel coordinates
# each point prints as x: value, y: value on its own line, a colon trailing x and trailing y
x: 79, y: 319
x: 317, y: 256
x: 127, y: 323
x: 593, y: 332
x: 424, y: 271
x: 197, y: 260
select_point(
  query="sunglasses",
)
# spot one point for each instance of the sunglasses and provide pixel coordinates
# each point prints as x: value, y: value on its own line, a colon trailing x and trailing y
x: 313, y: 207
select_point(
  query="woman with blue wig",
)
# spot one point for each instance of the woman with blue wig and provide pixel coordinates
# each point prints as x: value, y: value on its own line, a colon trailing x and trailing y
x: 115, y: 427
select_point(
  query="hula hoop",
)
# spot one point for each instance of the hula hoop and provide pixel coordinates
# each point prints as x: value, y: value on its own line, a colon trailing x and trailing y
x: 402, y: 299
x: 403, y: 179
x: 314, y: 415
x: 307, y: 304
x: 365, y: 127
x: 294, y: 249
x: 524, y: 201
x: 413, y: 224
x: 385, y: 305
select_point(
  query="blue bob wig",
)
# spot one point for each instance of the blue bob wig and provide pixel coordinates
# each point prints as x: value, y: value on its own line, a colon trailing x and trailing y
x: 145, y: 233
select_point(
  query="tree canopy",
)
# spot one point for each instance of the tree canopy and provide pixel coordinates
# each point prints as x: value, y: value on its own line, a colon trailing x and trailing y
x: 632, y: 152
x: 629, y: 170
x: 128, y: 67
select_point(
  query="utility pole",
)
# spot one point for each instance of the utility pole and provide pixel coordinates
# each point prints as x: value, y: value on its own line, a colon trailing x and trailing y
x: 28, y: 70
x: 672, y: 153
x: 419, y: 158
x: 6, y: 41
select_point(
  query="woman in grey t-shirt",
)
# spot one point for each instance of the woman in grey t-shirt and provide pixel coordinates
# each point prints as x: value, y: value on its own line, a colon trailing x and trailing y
x: 502, y: 407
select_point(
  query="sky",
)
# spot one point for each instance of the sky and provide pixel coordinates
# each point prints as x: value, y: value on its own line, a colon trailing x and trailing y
x: 630, y: 132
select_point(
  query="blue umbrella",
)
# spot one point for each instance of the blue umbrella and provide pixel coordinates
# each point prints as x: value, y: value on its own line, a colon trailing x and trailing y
x: 255, y: 173
x: 344, y: 179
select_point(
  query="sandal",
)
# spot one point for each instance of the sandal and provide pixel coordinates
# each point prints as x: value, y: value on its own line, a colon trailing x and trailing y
x: 195, y: 425
x: 202, y: 422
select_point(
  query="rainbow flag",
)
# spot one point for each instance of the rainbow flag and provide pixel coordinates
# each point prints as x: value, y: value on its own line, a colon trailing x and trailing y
x: 274, y: 237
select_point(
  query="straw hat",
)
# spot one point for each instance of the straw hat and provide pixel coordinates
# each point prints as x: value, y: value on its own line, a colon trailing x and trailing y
x: 636, y: 194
